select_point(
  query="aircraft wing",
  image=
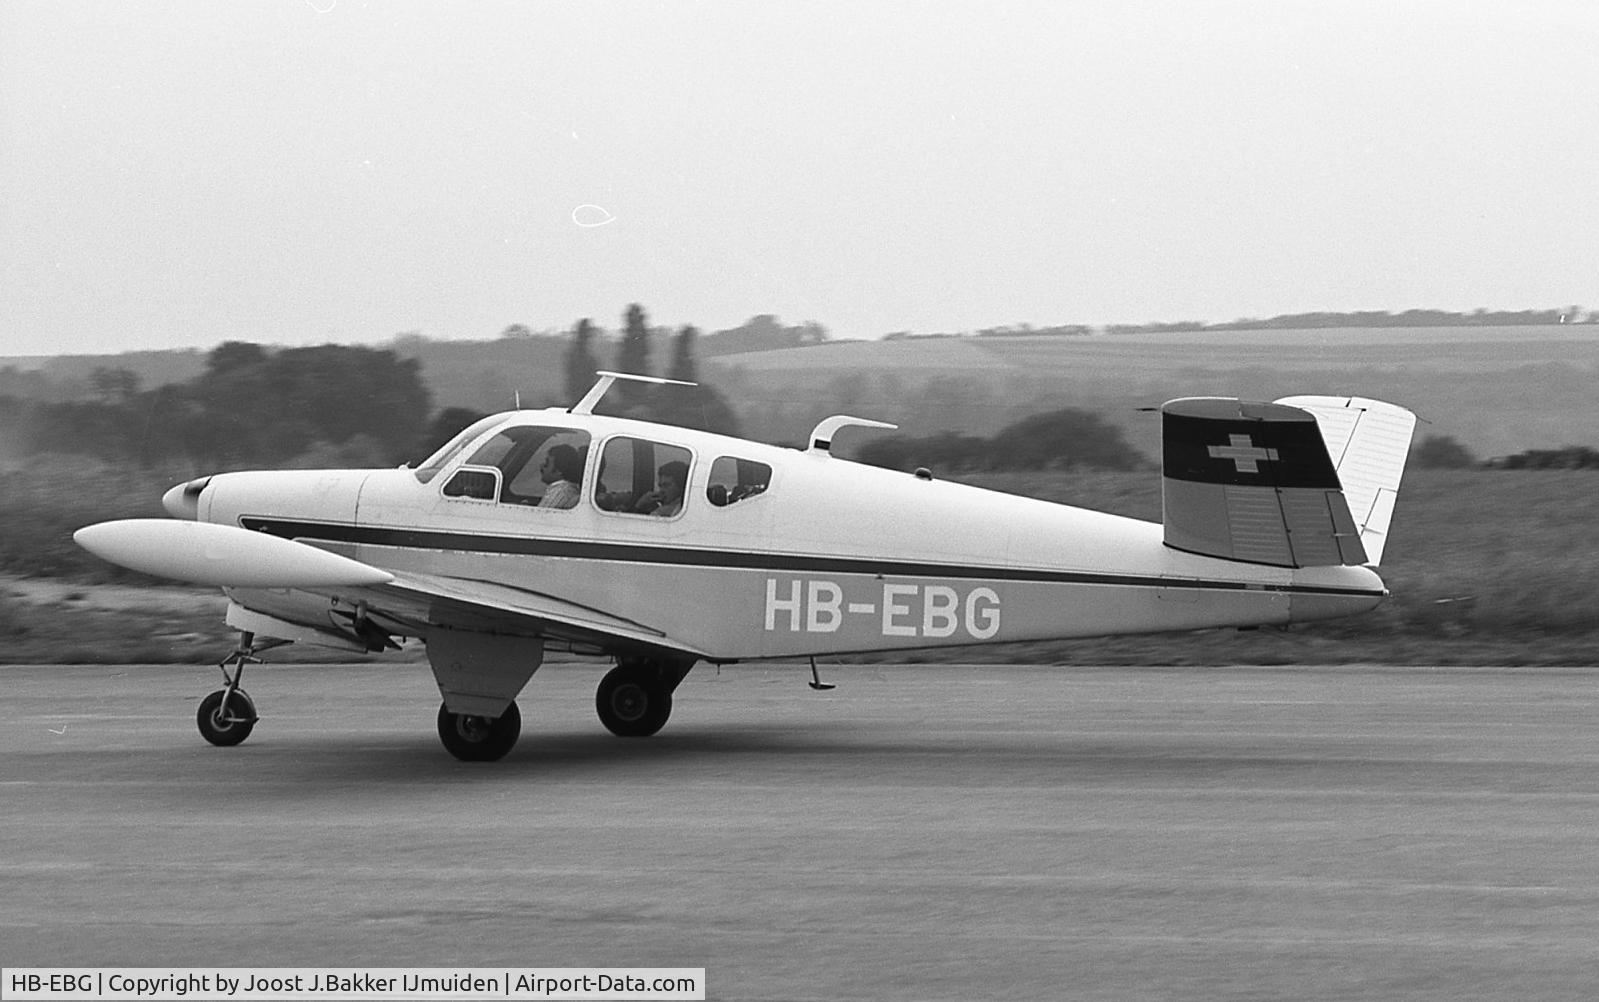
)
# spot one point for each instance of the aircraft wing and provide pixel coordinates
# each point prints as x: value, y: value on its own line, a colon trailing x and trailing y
x: 465, y: 604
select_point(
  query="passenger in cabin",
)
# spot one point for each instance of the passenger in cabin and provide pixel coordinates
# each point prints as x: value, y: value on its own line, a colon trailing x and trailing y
x: 667, y: 499
x: 562, y: 471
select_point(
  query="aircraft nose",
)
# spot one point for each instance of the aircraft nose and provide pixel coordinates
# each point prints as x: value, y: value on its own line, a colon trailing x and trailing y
x: 183, y: 501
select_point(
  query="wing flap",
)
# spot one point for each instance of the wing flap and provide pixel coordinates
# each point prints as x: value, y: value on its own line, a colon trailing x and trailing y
x: 485, y: 606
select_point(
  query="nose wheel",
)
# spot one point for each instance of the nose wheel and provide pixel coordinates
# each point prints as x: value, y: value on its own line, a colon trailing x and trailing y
x: 227, y: 716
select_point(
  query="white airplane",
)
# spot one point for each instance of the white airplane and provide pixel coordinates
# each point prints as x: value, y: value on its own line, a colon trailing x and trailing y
x: 661, y: 547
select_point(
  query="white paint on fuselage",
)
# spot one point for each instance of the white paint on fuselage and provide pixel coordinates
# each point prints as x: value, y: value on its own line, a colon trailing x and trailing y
x: 834, y: 556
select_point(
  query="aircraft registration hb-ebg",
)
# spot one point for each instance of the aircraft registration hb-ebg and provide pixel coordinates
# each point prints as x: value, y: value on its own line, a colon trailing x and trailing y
x: 661, y: 547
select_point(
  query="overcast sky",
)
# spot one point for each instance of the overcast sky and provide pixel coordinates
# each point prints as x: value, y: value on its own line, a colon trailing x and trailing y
x: 299, y: 171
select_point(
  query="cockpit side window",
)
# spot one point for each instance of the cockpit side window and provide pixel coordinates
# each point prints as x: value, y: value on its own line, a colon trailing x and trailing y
x: 639, y: 477
x: 441, y: 458
x: 733, y: 480
x: 539, y: 467
x: 475, y: 485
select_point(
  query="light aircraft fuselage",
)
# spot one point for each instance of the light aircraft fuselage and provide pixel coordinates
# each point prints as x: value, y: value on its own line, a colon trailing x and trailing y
x: 664, y: 546
x: 830, y: 557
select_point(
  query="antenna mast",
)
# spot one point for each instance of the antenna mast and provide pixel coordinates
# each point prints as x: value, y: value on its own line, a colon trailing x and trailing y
x: 607, y: 378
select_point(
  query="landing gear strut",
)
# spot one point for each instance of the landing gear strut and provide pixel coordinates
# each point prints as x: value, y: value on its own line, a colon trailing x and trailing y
x: 227, y: 716
x: 634, y: 699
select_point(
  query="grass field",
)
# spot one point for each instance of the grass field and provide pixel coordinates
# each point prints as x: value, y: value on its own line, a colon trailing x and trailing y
x: 1486, y: 567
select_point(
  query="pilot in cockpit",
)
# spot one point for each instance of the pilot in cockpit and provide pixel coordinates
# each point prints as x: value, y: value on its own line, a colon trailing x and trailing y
x: 562, y: 471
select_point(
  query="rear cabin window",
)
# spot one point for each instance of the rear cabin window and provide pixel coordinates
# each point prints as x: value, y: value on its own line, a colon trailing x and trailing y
x: 539, y: 467
x: 733, y: 480
x: 640, y: 477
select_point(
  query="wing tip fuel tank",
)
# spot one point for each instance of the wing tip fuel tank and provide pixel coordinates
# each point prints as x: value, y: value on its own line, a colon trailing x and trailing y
x: 221, y: 555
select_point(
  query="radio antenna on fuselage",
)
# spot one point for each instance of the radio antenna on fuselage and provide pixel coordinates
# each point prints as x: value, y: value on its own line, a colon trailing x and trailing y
x: 601, y: 385
x: 822, y: 434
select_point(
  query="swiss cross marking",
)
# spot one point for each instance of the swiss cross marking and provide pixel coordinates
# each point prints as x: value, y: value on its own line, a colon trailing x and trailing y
x: 1246, y: 456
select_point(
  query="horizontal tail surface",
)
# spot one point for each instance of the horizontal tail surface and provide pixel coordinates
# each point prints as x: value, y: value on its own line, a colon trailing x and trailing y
x: 1368, y: 442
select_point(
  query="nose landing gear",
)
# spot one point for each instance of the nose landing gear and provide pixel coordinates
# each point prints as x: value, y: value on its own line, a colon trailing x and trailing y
x: 227, y: 716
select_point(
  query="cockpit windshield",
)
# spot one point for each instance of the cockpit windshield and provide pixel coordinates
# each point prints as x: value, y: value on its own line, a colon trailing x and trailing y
x: 439, y: 460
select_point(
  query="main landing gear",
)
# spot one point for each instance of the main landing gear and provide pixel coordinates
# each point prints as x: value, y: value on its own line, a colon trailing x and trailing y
x: 473, y: 738
x: 227, y: 716
x: 635, y: 698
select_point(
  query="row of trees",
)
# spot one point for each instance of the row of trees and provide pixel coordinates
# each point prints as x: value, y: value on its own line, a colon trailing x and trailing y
x: 1377, y: 318
x: 1443, y: 452
x: 699, y: 406
x: 1064, y: 439
x: 344, y: 406
x: 1418, y: 318
x: 1297, y: 321
x: 249, y: 407
x: 331, y: 405
x: 1571, y: 457
x: 1072, y: 438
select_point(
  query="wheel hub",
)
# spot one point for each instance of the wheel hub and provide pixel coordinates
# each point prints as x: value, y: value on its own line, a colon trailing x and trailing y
x: 630, y: 702
x: 473, y: 728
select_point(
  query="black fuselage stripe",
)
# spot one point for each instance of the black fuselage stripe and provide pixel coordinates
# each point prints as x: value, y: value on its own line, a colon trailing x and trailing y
x: 533, y: 546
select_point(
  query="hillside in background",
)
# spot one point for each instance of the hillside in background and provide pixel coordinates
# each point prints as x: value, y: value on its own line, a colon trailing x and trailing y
x: 1496, y: 389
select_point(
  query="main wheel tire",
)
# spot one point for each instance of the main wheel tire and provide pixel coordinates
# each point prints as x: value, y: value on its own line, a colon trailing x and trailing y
x: 632, y: 702
x: 226, y: 726
x: 472, y: 738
